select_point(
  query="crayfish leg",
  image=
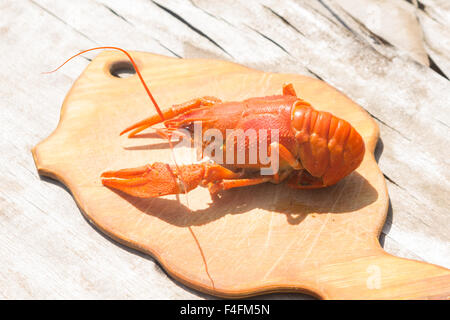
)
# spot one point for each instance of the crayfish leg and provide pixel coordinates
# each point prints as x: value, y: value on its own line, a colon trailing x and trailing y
x: 302, y: 179
x: 214, y: 188
x: 288, y: 90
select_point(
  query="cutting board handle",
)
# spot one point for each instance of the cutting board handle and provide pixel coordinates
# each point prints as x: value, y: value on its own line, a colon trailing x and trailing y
x: 383, y: 276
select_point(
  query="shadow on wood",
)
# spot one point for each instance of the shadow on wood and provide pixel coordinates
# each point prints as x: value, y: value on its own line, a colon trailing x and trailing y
x: 234, y: 201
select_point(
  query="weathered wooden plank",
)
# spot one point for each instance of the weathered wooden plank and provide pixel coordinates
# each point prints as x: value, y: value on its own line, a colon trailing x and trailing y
x: 437, y: 40
x: 188, y: 29
x: 380, y: 17
x: 437, y: 9
x: 83, y: 18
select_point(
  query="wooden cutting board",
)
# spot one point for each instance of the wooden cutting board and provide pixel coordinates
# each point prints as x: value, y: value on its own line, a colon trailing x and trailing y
x: 259, y: 239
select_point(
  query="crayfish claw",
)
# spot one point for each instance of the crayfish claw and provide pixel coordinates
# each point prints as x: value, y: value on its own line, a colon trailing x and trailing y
x: 158, y: 179
x: 143, y: 182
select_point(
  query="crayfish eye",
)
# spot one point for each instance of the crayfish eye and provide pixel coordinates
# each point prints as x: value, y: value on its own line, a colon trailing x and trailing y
x: 189, y: 127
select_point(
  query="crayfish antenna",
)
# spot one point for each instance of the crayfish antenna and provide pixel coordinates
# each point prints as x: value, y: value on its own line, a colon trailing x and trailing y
x: 185, y: 189
x: 134, y: 66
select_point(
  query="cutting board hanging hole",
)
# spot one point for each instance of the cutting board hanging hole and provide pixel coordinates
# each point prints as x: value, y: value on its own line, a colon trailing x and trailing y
x: 122, y: 69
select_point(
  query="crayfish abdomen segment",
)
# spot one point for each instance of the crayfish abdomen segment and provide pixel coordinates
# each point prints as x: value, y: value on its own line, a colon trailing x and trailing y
x: 329, y: 147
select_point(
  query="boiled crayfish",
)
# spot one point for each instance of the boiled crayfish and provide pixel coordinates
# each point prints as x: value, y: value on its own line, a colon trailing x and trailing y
x: 315, y: 149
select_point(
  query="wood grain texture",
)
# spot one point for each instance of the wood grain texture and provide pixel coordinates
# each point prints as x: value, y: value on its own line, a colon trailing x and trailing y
x: 48, y: 249
x: 265, y: 238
